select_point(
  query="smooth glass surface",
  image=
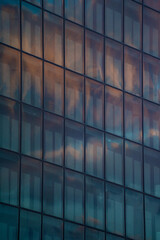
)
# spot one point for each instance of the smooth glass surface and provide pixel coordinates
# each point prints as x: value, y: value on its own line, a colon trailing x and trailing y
x: 74, y: 145
x: 52, y: 228
x: 74, y: 10
x: 153, y: 4
x: 53, y: 138
x: 113, y: 237
x: 55, y: 6
x: 9, y: 72
x: 73, y: 231
x: 92, y: 234
x: 36, y: 2
x: 114, y: 111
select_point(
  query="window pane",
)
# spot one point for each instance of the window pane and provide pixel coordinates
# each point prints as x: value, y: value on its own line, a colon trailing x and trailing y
x: 94, y: 15
x: 52, y: 228
x: 55, y: 6
x: 53, y: 88
x: 53, y: 138
x: 31, y: 131
x: 9, y: 72
x: 74, y: 10
x: 8, y: 222
x: 133, y: 166
x: 151, y: 125
x: 112, y: 237
x: 31, y: 80
x: 94, y: 203
x: 114, y: 111
x: 115, y: 209
x: 9, y: 124
x: 152, y: 172
x: 153, y: 4
x: 10, y: 22
x: 133, y: 118
x: 94, y: 152
x: 74, y: 146
x: 73, y: 231
x: 94, y: 104
x: 133, y: 24
x: 92, y: 234
x: 114, y: 64
x: 31, y: 29
x: 114, y: 159
x: 133, y: 71
x: 114, y: 19
x: 53, y: 190
x: 53, y: 38
x: 134, y: 215
x: 31, y: 183
x: 36, y: 2
x: 74, y: 103
x: 94, y: 56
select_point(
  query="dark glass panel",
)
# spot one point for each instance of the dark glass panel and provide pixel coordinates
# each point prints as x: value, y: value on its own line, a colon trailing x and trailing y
x: 153, y: 4
x: 52, y: 228
x: 113, y: 237
x: 92, y: 234
x: 73, y: 231
x: 36, y: 2
x: 55, y: 6
x: 74, y: 10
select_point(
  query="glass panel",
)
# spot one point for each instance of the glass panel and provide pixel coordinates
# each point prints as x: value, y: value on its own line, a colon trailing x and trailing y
x: 73, y: 231
x: 52, y: 228
x: 9, y: 124
x: 133, y: 166
x: 133, y: 24
x: 92, y: 234
x: 36, y: 2
x: 114, y: 64
x: 53, y: 190
x: 9, y: 72
x: 151, y: 125
x: 153, y: 4
x: 134, y: 215
x: 94, y: 104
x: 55, y: 6
x: 115, y: 209
x: 114, y: 111
x: 94, y: 15
x: 53, y: 38
x: 30, y: 225
x: 152, y: 172
x: 31, y: 131
x: 74, y: 47
x: 114, y: 159
x: 74, y: 103
x: 74, y: 146
x: 53, y: 138
x: 112, y: 237
x: 8, y: 222
x: 31, y: 80
x: 94, y: 203
x: 31, y: 29
x: 94, y: 57
x: 74, y: 10
x: 10, y: 22
x: 94, y: 152
x: 114, y: 19
x: 31, y: 183
x: 133, y: 71
x: 53, y: 88
x: 133, y: 118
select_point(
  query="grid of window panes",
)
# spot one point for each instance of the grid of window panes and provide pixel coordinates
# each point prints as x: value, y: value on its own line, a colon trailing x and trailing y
x: 80, y: 119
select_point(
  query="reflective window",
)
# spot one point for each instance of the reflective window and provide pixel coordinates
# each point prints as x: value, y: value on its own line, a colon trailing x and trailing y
x: 153, y: 4
x: 9, y: 178
x: 74, y: 94
x: 94, y: 152
x: 132, y: 71
x: 31, y: 80
x: 53, y: 138
x: 52, y: 228
x: 53, y: 88
x: 114, y: 159
x: 114, y: 111
x: 133, y: 24
x: 94, y: 104
x: 74, y: 10
x: 36, y: 2
x: 94, y: 54
x: 133, y: 166
x: 94, y: 203
x: 74, y: 145
x: 53, y: 38
x: 133, y: 118
x: 151, y: 125
x: 9, y: 22
x: 92, y: 234
x: 114, y: 19
x: 55, y: 6
x: 31, y: 29
x: 31, y: 131
x: 114, y: 64
x: 31, y: 183
x: 113, y: 237
x: 115, y: 209
x: 94, y: 15
x: 9, y: 72
x: 73, y: 231
x: 9, y: 124
x: 53, y: 190
x: 134, y: 215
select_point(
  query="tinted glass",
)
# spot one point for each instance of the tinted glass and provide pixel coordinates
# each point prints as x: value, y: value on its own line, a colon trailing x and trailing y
x: 74, y: 10
x: 153, y: 4
x: 36, y: 2
x: 92, y: 234
x: 73, y: 231
x: 55, y: 6
x: 52, y: 228
x: 112, y: 237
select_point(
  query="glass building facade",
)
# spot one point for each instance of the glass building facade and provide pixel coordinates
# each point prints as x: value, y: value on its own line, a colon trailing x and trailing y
x: 80, y: 120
